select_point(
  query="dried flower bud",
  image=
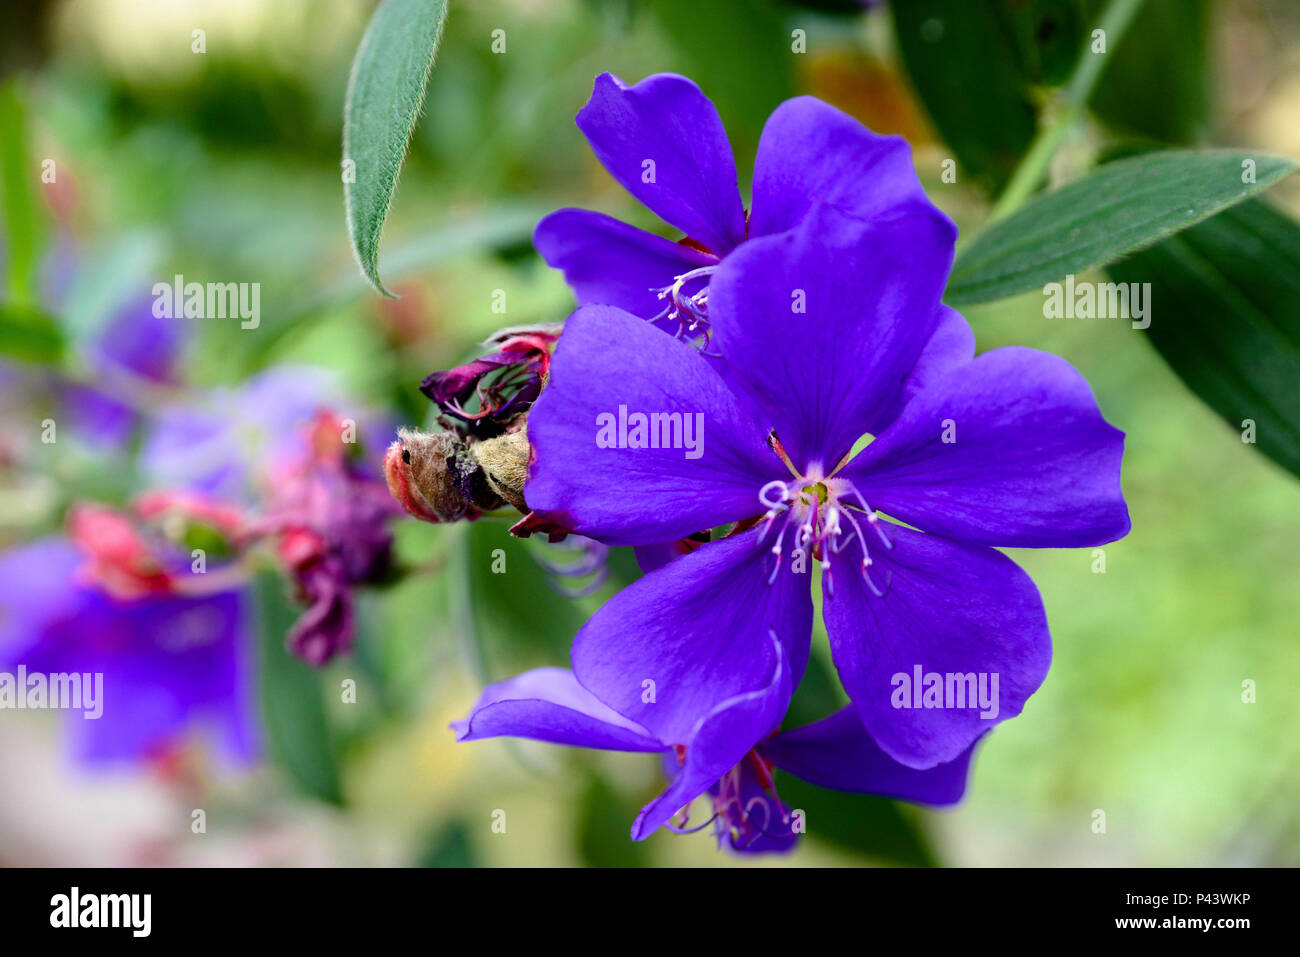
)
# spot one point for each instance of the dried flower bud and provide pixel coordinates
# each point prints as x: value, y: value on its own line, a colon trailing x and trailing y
x: 484, y: 398
x: 504, y: 461
x: 431, y: 475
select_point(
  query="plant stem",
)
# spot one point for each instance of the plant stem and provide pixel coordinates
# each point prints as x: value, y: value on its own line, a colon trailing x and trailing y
x: 1115, y: 20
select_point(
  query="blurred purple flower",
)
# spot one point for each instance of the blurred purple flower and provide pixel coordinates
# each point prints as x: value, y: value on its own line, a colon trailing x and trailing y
x: 171, y: 664
x: 549, y: 704
x: 133, y: 346
x: 223, y: 442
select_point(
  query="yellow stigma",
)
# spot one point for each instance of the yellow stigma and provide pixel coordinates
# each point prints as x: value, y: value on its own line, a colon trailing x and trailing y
x: 817, y: 489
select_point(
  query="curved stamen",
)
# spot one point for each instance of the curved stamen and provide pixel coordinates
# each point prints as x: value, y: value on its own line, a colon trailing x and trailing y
x: 866, y: 575
x: 682, y: 829
x: 565, y: 577
x: 767, y: 816
x: 776, y: 550
x: 872, y: 517
x: 689, y: 310
x: 765, y: 492
x: 774, y: 509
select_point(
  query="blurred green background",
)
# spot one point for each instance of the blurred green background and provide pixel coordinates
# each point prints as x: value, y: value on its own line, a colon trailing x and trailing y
x: 227, y: 164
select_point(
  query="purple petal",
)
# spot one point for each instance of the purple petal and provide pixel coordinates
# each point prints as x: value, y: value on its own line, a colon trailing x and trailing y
x: 170, y: 665
x: 720, y: 740
x: 141, y: 342
x: 677, y: 643
x: 548, y: 704
x: 666, y: 121
x: 607, y: 359
x: 652, y: 557
x: 133, y: 341
x: 1029, y: 462
x: 837, y: 753
x: 611, y: 263
x: 222, y: 442
x: 812, y: 153
x: 327, y: 626
x: 457, y: 385
x: 824, y: 323
x: 952, y: 345
x: 948, y: 608
x: 98, y: 418
x: 39, y: 592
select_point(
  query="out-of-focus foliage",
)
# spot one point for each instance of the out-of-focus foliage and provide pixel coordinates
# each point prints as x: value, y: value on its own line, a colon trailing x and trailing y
x: 1233, y: 282
x: 988, y: 132
x: 1173, y: 58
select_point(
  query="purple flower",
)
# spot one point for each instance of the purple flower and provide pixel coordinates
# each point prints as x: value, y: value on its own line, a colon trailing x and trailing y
x: 549, y: 704
x: 222, y: 442
x: 830, y: 332
x: 134, y: 346
x: 663, y: 141
x: 171, y: 664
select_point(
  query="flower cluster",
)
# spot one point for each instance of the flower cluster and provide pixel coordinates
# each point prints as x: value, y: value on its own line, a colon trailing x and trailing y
x: 330, y: 519
x: 850, y: 427
x: 156, y: 596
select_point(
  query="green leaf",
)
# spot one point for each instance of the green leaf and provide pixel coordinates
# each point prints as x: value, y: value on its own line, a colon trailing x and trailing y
x: 943, y: 44
x: 29, y: 334
x: 20, y: 211
x: 604, y: 817
x: 449, y: 846
x: 293, y: 705
x: 493, y: 227
x: 738, y: 51
x: 517, y: 613
x: 385, y: 93
x: 1047, y: 36
x: 1116, y: 209
x: 1159, y: 86
x: 1225, y: 297
x: 873, y: 827
x: 818, y: 695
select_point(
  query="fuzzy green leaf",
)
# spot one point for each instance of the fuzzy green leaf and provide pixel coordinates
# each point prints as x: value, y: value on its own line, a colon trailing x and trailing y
x: 385, y: 93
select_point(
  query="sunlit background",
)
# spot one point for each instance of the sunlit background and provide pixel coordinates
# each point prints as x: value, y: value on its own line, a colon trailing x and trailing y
x: 225, y: 165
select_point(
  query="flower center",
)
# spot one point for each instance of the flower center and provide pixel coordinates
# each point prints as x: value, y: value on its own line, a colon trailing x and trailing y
x: 824, y: 516
x: 745, y: 805
x: 688, y: 305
